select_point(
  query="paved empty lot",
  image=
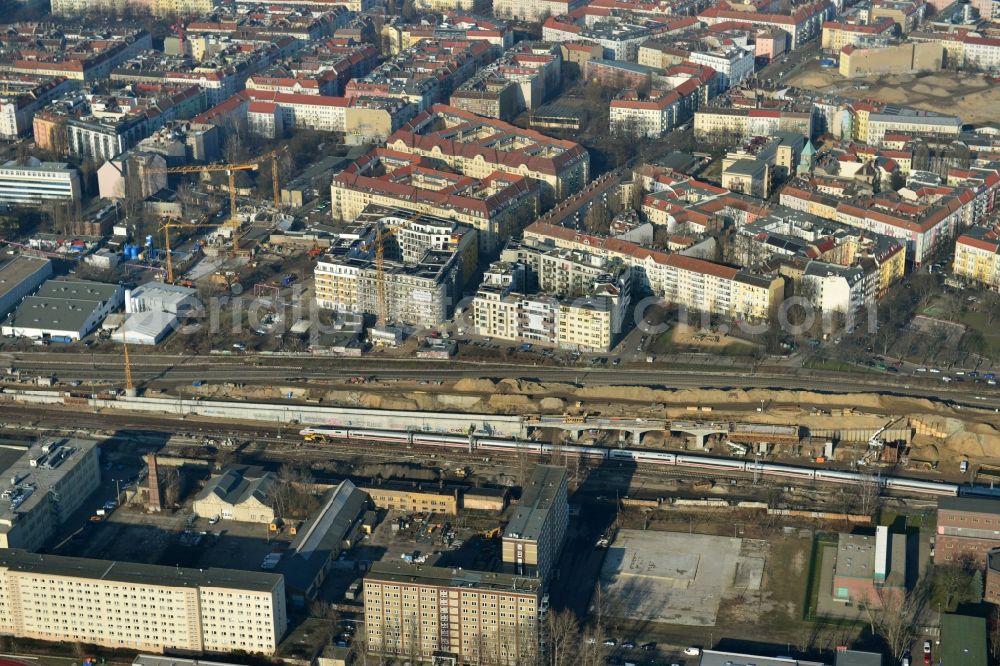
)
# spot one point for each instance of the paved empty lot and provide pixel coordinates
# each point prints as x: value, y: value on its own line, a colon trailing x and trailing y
x: 676, y: 578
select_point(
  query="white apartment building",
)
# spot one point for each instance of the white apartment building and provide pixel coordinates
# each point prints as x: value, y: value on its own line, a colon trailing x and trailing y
x: 840, y: 289
x: 734, y: 65
x: 533, y: 10
x: 651, y: 117
x: 37, y: 182
x: 139, y: 606
x: 704, y: 286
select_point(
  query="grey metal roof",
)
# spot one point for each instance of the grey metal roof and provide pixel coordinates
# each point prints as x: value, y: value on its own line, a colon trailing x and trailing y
x: 713, y: 658
x: 140, y: 574
x: 536, y: 501
x: 16, y: 269
x: 321, y: 537
x: 857, y: 658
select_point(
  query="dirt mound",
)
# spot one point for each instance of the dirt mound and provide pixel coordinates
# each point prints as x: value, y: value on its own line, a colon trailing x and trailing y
x: 555, y: 405
x: 472, y: 385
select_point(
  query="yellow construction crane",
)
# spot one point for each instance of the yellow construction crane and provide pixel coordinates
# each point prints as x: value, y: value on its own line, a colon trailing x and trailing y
x: 230, y: 170
x: 129, y: 386
x: 166, y: 227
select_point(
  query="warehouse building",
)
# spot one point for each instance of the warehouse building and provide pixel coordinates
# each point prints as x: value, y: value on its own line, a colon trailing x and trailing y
x: 453, y: 615
x: 241, y: 492
x: 153, y: 311
x: 320, y: 541
x: 155, y: 608
x: 64, y: 310
x: 20, y: 275
x: 47, y: 483
x: 413, y: 497
x: 535, y: 533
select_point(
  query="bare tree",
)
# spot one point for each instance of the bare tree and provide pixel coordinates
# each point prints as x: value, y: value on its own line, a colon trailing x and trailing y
x: 869, y: 494
x: 564, y: 632
x: 893, y: 614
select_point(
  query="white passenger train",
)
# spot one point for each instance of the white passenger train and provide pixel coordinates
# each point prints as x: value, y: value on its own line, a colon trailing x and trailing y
x: 638, y: 456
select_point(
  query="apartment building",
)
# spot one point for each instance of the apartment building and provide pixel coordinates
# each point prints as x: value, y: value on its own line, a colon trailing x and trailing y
x: 966, y: 528
x: 426, y: 264
x: 704, y: 286
x: 476, y: 147
x: 139, y: 606
x: 977, y: 256
x: 802, y: 25
x: 54, y: 478
x: 533, y: 10
x: 456, y: 616
x: 85, y: 57
x: 907, y: 14
x: 894, y: 119
x: 734, y: 65
x: 534, y: 536
x: 36, y: 182
x: 732, y: 124
x: 24, y: 97
x: 426, y: 73
x: 71, y: 8
x: 653, y: 116
x: 837, y: 35
x: 619, y: 39
x: 497, y: 204
x: 526, y: 298
x: 522, y: 79
x: 931, y: 216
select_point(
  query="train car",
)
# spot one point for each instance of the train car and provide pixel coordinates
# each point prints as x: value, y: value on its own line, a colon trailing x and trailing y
x: 381, y: 435
x: 656, y: 458
x: 916, y: 485
x: 505, y: 444
x: 598, y: 452
x: 785, y: 470
x: 323, y: 434
x: 711, y: 463
x: 435, y: 439
x: 834, y: 476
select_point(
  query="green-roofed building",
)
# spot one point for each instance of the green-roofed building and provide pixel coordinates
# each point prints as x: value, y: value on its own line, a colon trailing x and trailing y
x: 963, y: 640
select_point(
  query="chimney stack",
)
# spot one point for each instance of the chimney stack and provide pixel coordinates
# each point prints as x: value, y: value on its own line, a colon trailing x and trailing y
x: 155, y: 500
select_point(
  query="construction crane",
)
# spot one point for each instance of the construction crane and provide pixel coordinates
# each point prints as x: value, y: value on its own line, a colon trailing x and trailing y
x: 129, y: 385
x: 230, y: 170
x: 166, y: 227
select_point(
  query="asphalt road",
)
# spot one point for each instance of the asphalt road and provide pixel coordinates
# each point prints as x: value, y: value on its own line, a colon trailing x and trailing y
x: 166, y: 370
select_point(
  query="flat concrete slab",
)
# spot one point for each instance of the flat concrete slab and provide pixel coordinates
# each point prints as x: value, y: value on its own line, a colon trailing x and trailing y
x: 676, y: 578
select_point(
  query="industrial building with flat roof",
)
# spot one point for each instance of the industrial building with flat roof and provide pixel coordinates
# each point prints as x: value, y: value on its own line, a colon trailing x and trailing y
x: 20, y: 275
x: 535, y: 533
x: 473, y: 617
x: 47, y: 483
x: 140, y: 606
x: 64, y: 309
